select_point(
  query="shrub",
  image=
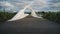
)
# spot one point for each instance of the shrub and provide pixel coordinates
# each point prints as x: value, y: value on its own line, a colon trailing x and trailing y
x: 4, y: 16
x: 53, y: 16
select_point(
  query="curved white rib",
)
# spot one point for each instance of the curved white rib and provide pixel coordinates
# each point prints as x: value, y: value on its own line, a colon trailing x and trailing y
x: 34, y: 14
x: 19, y: 15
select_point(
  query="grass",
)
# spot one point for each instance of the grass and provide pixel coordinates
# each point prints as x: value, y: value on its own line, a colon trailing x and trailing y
x: 4, y: 16
x: 53, y: 16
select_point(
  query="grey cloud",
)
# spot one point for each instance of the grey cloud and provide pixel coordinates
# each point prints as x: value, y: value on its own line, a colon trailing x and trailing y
x: 21, y: 3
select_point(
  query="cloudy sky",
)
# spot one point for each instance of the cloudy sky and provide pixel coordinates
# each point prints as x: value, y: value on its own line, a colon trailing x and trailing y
x: 37, y: 5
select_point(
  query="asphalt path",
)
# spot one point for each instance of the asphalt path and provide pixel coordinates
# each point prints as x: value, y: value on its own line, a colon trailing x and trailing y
x: 30, y: 25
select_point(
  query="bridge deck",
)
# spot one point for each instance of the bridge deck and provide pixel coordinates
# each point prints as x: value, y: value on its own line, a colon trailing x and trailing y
x: 30, y: 25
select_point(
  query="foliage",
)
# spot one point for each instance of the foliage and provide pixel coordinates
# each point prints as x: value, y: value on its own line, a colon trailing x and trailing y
x: 4, y: 16
x: 53, y: 16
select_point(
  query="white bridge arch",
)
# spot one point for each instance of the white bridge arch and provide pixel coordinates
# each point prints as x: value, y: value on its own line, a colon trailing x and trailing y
x: 21, y: 14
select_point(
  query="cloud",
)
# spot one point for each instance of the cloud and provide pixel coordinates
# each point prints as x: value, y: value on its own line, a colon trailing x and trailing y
x: 40, y: 3
x: 6, y: 4
x: 57, y: 4
x: 35, y: 4
x: 30, y: 2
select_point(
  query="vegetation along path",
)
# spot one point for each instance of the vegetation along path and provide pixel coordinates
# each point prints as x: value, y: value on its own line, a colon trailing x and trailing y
x: 30, y: 25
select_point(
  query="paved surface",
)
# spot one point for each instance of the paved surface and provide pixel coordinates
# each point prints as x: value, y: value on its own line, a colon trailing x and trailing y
x: 30, y: 25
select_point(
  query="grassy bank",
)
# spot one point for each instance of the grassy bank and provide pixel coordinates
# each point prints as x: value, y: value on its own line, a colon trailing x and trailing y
x: 53, y: 16
x: 4, y: 16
